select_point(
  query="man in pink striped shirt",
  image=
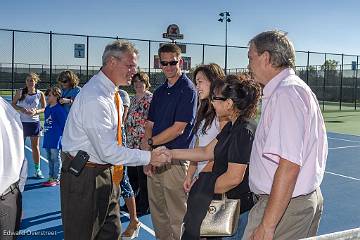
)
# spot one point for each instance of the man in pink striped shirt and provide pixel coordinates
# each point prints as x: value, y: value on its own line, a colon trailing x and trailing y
x: 289, y: 152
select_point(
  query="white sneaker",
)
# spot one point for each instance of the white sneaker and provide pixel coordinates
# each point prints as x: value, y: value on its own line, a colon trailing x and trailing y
x: 38, y: 174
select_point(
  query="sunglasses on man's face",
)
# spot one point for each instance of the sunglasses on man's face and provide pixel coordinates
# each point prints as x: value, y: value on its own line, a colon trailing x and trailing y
x: 213, y: 98
x: 171, y: 63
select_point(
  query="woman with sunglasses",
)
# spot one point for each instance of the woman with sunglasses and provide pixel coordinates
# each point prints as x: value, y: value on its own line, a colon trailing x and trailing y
x: 30, y: 102
x: 236, y: 99
x: 69, y: 82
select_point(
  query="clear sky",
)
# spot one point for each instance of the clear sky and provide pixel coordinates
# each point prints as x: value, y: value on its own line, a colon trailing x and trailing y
x: 314, y: 25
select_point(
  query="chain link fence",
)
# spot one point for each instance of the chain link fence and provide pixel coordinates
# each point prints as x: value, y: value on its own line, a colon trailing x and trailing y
x: 333, y: 77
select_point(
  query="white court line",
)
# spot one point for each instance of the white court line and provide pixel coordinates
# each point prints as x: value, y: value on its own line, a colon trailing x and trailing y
x: 41, y: 157
x: 145, y: 227
x: 343, y: 139
x: 344, y: 176
x: 334, y: 148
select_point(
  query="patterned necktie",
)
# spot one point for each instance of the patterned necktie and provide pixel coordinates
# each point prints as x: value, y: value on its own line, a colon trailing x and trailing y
x: 118, y: 169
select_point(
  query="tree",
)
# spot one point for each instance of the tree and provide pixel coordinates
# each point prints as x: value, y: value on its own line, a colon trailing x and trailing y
x: 330, y: 65
x: 331, y: 74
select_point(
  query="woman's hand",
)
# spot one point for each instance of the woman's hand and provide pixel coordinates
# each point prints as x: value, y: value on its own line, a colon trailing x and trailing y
x: 189, y: 182
x: 27, y: 111
x: 165, y: 151
x: 33, y: 112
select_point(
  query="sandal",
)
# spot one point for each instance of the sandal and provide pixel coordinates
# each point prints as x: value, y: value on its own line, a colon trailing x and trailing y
x: 132, y: 231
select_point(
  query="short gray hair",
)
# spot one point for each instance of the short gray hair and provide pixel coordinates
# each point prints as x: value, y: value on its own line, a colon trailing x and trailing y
x: 277, y: 44
x: 117, y: 49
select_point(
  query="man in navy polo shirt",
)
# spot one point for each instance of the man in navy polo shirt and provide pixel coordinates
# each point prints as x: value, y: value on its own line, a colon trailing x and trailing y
x: 170, y: 123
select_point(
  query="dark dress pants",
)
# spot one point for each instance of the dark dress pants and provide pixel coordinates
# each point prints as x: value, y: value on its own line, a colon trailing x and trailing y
x: 10, y: 214
x: 138, y: 181
x: 89, y: 203
x: 200, y: 196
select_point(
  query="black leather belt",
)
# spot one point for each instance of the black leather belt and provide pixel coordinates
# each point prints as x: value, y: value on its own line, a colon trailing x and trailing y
x: 10, y: 189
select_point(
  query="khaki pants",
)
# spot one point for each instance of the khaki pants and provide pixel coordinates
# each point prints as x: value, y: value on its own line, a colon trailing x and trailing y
x: 300, y: 220
x: 167, y: 200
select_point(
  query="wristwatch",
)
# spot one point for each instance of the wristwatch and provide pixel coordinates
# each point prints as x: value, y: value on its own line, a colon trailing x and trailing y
x: 150, y: 142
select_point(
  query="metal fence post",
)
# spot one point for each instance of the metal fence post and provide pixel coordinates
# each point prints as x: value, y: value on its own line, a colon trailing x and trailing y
x: 203, y: 54
x: 356, y: 80
x: 51, y: 36
x: 341, y: 79
x: 87, y: 58
x: 12, y: 65
x: 149, y: 57
x: 307, y: 68
x: 324, y: 84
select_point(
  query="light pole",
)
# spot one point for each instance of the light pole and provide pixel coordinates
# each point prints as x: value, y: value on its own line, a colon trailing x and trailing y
x: 225, y: 17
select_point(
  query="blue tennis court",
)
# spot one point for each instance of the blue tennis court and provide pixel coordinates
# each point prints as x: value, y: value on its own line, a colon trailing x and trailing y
x: 42, y: 216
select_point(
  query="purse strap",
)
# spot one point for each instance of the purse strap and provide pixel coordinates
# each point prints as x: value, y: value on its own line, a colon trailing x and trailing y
x: 223, y: 199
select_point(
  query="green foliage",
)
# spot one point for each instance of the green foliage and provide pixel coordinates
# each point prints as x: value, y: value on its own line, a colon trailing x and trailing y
x: 330, y: 65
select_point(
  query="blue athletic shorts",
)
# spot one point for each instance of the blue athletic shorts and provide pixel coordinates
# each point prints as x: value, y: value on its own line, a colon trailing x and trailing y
x: 31, y: 129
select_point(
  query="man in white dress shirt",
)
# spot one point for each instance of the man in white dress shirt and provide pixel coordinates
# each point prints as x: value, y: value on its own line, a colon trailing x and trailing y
x: 89, y: 202
x: 11, y: 160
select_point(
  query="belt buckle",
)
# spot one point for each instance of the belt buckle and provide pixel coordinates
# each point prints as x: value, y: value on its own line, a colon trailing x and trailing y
x: 163, y: 168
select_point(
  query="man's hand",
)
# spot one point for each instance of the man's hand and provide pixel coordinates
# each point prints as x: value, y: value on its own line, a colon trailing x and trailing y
x: 281, y: 191
x: 149, y: 170
x: 160, y: 156
x: 262, y: 233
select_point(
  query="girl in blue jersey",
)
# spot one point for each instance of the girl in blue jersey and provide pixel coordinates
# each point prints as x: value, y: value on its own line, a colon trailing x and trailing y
x: 54, y: 123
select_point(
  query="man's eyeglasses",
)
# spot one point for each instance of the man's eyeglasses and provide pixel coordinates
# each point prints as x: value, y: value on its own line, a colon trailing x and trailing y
x: 171, y: 63
x: 213, y: 98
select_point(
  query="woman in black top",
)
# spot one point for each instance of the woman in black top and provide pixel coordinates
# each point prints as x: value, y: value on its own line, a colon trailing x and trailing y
x: 236, y: 99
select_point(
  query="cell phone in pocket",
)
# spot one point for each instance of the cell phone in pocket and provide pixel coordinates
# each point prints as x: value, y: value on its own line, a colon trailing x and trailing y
x: 78, y: 163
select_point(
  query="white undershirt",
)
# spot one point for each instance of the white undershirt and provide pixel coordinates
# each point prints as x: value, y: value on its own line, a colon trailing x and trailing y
x: 204, y: 139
